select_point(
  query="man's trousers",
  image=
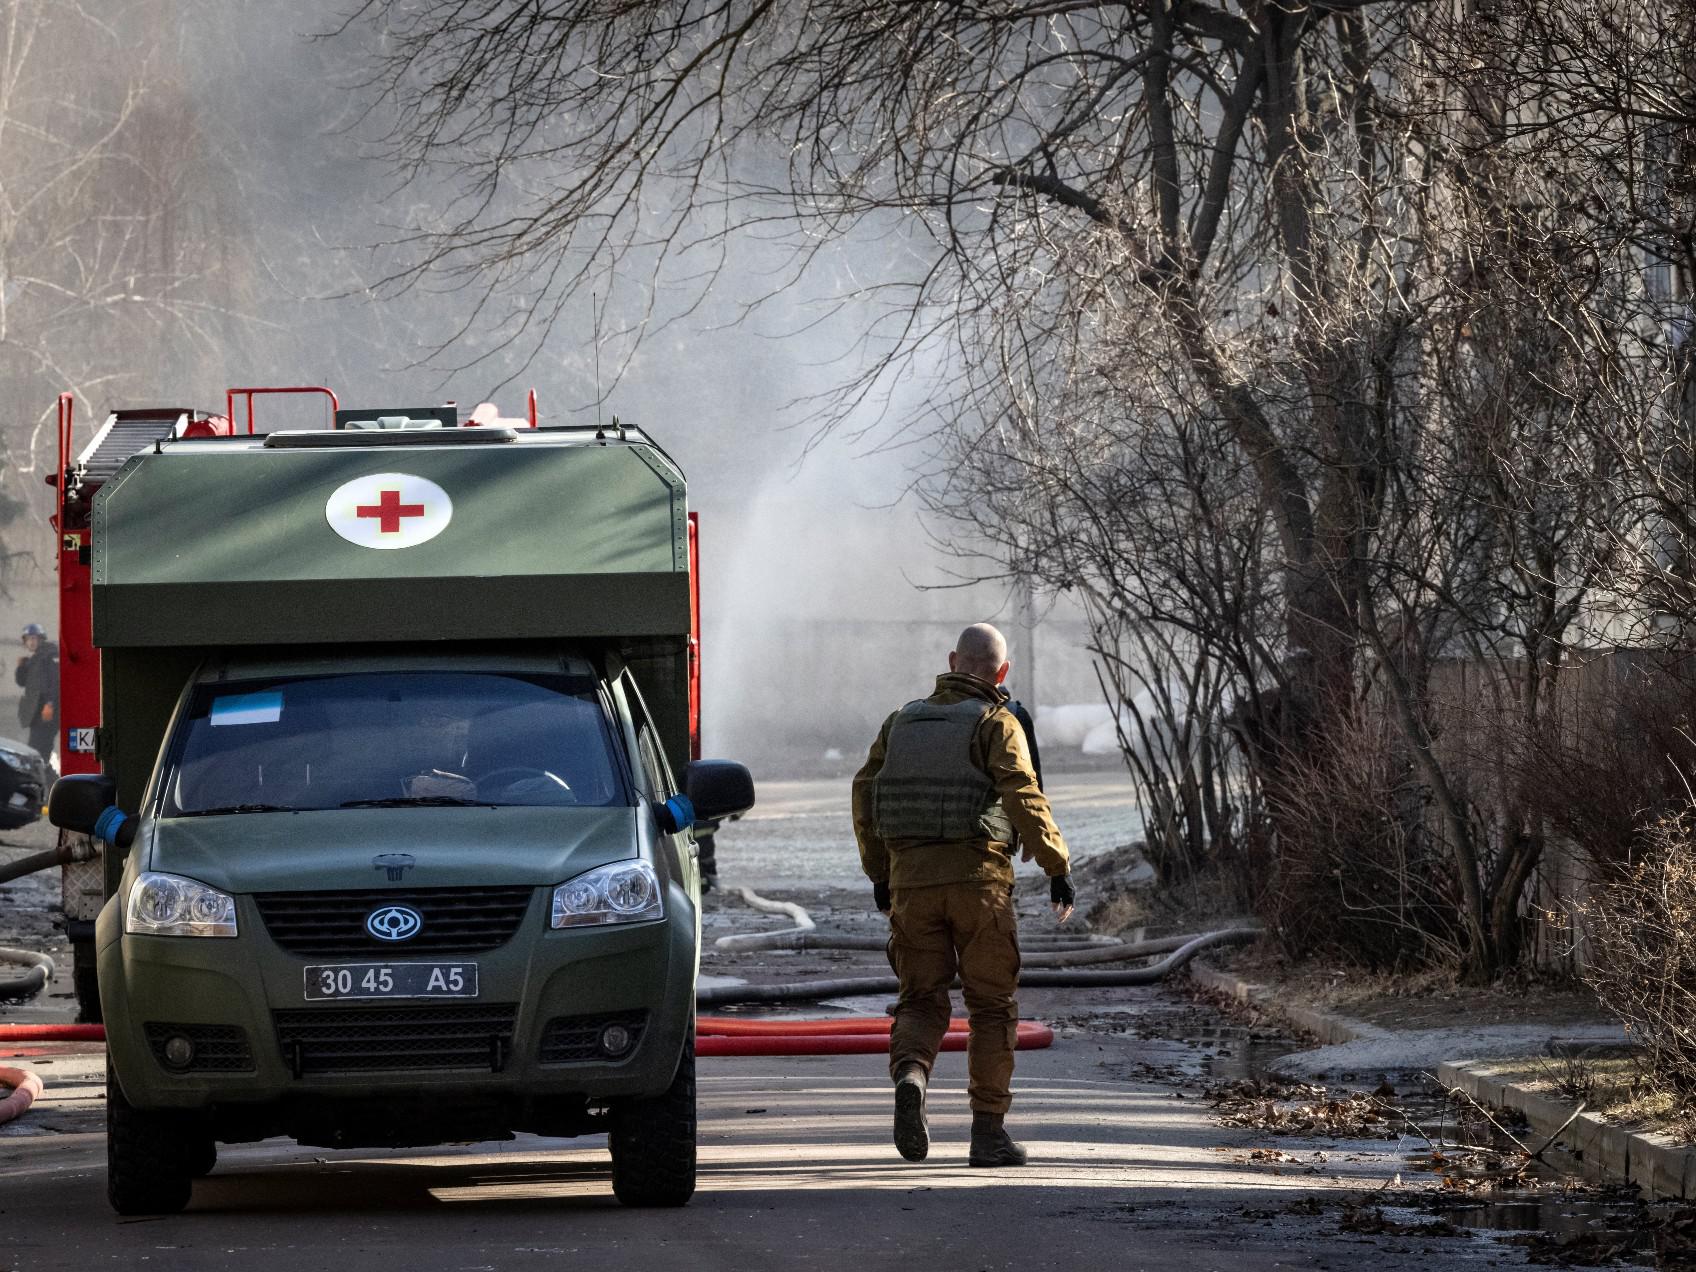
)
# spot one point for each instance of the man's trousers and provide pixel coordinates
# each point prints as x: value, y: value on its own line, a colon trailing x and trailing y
x: 937, y: 932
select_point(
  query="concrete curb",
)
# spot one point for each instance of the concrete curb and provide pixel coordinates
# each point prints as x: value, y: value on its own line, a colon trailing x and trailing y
x: 1327, y: 1026
x: 1655, y: 1163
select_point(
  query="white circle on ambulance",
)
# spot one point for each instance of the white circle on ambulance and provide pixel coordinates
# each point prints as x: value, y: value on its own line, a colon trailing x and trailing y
x: 389, y: 510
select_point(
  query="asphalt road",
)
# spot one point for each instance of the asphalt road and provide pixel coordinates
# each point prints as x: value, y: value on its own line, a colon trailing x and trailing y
x: 1131, y: 1167
x: 797, y: 1171
x: 801, y: 831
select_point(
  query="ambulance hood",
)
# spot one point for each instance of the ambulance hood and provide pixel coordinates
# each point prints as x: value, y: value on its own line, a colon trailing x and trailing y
x: 339, y: 848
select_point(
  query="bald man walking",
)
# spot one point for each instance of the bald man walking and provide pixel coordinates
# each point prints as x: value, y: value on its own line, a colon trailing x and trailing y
x: 945, y: 795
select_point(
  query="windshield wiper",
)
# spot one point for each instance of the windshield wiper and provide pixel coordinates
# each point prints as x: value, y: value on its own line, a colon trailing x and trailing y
x: 417, y: 801
x: 237, y: 808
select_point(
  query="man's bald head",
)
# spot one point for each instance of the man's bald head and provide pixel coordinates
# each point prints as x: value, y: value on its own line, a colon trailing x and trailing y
x: 981, y: 651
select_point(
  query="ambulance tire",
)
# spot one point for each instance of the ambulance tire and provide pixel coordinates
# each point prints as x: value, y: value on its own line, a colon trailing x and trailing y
x: 85, y: 981
x: 653, y: 1142
x: 147, y: 1156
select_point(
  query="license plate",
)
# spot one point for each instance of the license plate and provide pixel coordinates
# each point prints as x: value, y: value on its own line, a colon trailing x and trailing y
x: 391, y: 980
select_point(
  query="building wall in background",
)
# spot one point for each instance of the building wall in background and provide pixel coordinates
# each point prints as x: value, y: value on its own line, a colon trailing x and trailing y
x: 823, y: 615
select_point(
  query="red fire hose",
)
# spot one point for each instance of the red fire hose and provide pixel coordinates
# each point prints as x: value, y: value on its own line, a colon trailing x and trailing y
x: 52, y: 1033
x: 715, y: 1036
x: 784, y: 1026
x: 25, y: 1087
x: 851, y: 1036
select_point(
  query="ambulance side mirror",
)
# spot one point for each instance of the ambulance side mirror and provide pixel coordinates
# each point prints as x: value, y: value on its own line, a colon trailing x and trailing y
x: 718, y: 789
x: 77, y: 800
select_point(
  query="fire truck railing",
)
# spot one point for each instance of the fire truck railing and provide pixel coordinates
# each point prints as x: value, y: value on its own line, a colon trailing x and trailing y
x: 231, y: 395
x: 67, y: 414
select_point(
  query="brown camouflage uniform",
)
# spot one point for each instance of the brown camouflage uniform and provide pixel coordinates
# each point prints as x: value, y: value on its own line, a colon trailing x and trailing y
x: 952, y: 909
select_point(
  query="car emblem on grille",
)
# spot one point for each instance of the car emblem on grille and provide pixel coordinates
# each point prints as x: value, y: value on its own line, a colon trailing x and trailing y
x: 394, y: 923
x: 396, y: 863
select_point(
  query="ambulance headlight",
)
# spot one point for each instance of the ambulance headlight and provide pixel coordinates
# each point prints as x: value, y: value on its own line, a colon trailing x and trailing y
x: 169, y: 905
x: 624, y: 892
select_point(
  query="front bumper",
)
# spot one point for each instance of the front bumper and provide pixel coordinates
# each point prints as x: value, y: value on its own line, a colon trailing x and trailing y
x: 523, y: 1046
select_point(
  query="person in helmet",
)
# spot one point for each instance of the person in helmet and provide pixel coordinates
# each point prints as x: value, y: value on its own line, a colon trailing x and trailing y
x: 38, y: 676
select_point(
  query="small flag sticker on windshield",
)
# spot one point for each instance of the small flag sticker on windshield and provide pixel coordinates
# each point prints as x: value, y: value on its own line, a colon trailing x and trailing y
x: 247, y: 708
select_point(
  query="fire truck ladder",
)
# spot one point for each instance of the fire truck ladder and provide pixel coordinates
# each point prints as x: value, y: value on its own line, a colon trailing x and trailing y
x: 124, y: 434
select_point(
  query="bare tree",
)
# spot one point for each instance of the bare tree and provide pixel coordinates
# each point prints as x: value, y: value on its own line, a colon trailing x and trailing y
x: 115, y: 236
x: 1167, y: 148
x: 1311, y: 344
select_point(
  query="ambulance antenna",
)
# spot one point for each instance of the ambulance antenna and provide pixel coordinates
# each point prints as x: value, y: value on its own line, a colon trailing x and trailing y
x: 595, y: 305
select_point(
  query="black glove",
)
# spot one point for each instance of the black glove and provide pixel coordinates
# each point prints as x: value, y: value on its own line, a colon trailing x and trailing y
x: 880, y: 896
x: 1060, y: 890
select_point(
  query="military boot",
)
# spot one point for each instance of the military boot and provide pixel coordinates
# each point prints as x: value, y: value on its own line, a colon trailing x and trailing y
x: 912, y: 1135
x: 991, y: 1145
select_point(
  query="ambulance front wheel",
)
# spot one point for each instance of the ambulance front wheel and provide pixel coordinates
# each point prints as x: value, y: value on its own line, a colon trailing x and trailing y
x: 653, y: 1142
x: 151, y: 1157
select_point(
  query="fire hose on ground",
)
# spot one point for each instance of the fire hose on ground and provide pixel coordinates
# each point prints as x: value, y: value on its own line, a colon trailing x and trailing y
x: 805, y: 935
x: 838, y: 1036
x: 1053, y: 962
x: 714, y: 1036
x: 33, y: 981
x: 1049, y: 976
x: 1039, y: 951
x: 33, y: 863
x: 41, y: 968
x: 27, y: 1086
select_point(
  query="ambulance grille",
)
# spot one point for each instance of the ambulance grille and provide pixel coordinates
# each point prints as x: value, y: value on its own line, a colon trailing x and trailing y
x: 357, y: 1039
x: 455, y: 920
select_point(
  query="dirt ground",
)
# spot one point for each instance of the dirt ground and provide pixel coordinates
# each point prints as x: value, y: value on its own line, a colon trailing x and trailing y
x: 1424, y: 1001
x: 29, y: 907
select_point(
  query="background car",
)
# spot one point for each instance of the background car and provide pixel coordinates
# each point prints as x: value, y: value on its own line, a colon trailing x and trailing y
x: 24, y: 780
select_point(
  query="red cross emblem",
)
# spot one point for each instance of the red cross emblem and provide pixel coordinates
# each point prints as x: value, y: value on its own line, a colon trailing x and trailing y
x: 389, y: 510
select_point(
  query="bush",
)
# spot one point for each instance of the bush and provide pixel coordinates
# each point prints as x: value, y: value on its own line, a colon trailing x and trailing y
x: 1641, y: 926
x: 1358, y: 875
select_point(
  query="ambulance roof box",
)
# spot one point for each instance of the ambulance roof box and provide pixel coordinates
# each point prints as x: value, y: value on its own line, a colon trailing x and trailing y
x: 403, y: 535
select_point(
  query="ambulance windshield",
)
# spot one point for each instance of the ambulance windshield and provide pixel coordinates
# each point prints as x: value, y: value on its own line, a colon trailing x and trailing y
x: 393, y: 739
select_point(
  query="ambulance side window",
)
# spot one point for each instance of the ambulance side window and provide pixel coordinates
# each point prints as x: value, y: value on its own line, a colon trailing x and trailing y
x: 654, y: 764
x: 647, y: 743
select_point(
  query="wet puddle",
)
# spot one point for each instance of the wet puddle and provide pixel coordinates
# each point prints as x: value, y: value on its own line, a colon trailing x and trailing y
x: 1562, y: 1216
x: 1242, y: 1053
x: 1581, y: 1230
x: 1179, y: 1040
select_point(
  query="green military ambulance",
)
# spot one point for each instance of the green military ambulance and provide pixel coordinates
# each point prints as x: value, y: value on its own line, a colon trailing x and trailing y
x: 398, y: 837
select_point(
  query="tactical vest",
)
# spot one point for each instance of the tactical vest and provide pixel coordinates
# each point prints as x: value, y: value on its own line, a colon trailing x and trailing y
x: 928, y: 787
